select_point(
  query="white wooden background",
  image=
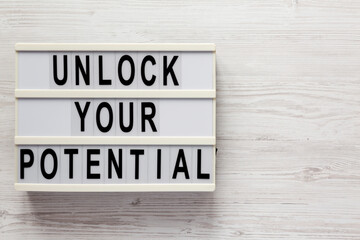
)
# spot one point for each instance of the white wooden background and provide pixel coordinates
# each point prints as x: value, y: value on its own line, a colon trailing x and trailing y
x: 288, y: 81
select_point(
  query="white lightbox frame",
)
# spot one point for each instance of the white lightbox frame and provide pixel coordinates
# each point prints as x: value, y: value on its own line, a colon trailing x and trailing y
x: 115, y: 140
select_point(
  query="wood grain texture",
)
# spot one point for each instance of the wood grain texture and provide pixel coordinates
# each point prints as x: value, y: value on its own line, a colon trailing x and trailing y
x: 288, y: 112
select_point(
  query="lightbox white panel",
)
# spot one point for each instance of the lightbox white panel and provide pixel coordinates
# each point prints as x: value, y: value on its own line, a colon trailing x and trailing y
x: 44, y: 118
x: 90, y: 164
x: 176, y: 117
x: 192, y: 117
x: 33, y: 70
x: 195, y: 70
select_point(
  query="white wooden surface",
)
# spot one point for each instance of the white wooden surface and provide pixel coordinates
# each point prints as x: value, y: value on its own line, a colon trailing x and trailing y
x: 288, y: 113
